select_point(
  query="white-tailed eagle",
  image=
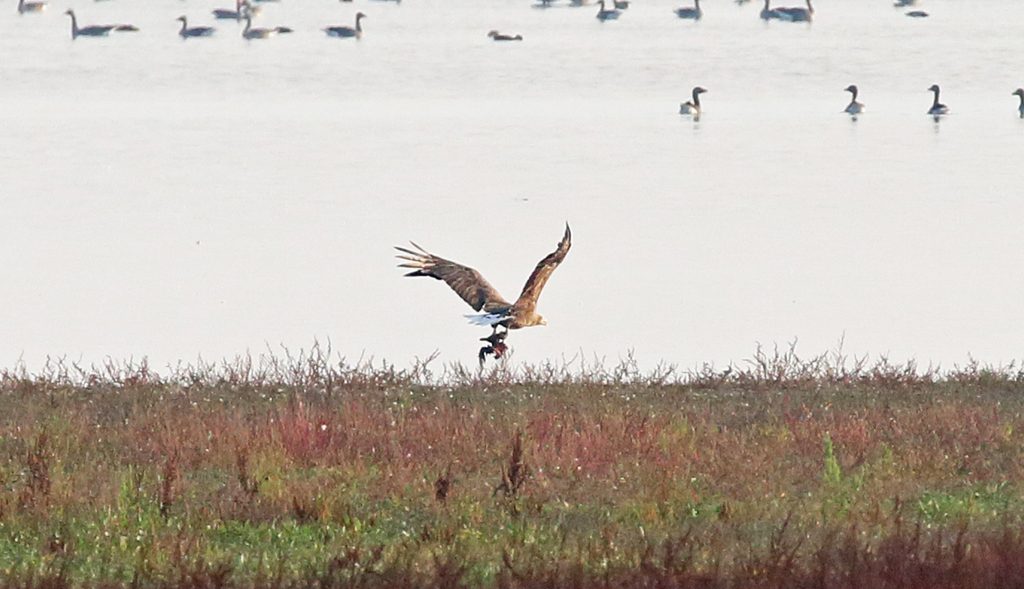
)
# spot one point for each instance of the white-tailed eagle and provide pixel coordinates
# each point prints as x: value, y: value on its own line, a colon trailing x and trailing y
x: 481, y: 296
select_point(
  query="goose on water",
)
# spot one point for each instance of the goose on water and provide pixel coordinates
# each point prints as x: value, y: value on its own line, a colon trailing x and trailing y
x: 692, y: 107
x: 938, y: 109
x: 94, y: 30
x: 1020, y: 92
x: 261, y: 33
x: 242, y: 8
x: 797, y: 14
x: 854, y: 108
x: 603, y: 14
x: 343, y: 31
x: 24, y: 6
x: 768, y: 13
x: 495, y: 35
x: 694, y: 13
x: 187, y: 31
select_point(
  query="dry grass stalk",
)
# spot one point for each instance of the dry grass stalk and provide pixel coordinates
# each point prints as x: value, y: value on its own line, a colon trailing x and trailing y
x: 168, y: 480
x: 443, y: 485
x: 37, y: 461
x: 515, y: 475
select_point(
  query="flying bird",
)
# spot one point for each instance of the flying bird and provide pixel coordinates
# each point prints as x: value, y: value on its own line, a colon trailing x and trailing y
x: 471, y: 286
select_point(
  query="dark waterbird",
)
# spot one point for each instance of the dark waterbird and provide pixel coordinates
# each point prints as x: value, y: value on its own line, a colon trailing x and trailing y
x: 242, y: 8
x: 938, y: 109
x: 604, y: 14
x: 188, y: 32
x: 94, y: 30
x: 24, y: 7
x: 854, y: 108
x: 495, y: 35
x: 694, y: 13
x: 692, y: 106
x: 342, y: 31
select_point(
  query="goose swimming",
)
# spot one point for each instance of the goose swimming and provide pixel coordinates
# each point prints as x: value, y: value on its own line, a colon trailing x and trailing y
x: 261, y: 33
x: 495, y: 35
x: 768, y: 13
x: 187, y: 32
x: 24, y: 6
x: 603, y: 15
x: 694, y: 13
x: 342, y: 31
x: 242, y: 8
x: 854, y: 108
x: 692, y: 107
x: 92, y: 30
x: 938, y: 109
x: 797, y: 14
x: 1020, y: 92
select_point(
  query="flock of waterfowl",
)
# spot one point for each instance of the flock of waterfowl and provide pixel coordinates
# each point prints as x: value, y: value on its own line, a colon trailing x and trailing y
x: 608, y: 10
x: 243, y: 11
x: 937, y: 110
x: 695, y: 12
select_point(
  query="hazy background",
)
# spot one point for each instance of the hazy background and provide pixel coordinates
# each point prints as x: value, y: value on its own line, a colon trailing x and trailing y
x: 168, y: 199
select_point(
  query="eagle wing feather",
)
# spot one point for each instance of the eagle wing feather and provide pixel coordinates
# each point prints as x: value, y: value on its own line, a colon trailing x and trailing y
x: 539, y: 277
x: 469, y: 284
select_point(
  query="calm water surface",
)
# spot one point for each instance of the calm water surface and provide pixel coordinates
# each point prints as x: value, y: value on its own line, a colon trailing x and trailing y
x: 173, y: 199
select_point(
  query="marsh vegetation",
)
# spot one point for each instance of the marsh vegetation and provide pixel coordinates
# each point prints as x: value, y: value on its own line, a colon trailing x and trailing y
x: 306, y: 470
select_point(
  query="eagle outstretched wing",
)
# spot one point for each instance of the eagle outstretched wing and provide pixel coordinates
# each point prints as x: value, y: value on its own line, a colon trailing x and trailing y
x: 535, y: 283
x: 465, y: 281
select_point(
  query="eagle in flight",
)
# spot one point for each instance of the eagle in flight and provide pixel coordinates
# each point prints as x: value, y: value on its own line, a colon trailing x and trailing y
x: 494, y: 310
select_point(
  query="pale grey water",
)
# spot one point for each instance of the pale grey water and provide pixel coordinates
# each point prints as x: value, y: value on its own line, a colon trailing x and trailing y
x: 169, y: 199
